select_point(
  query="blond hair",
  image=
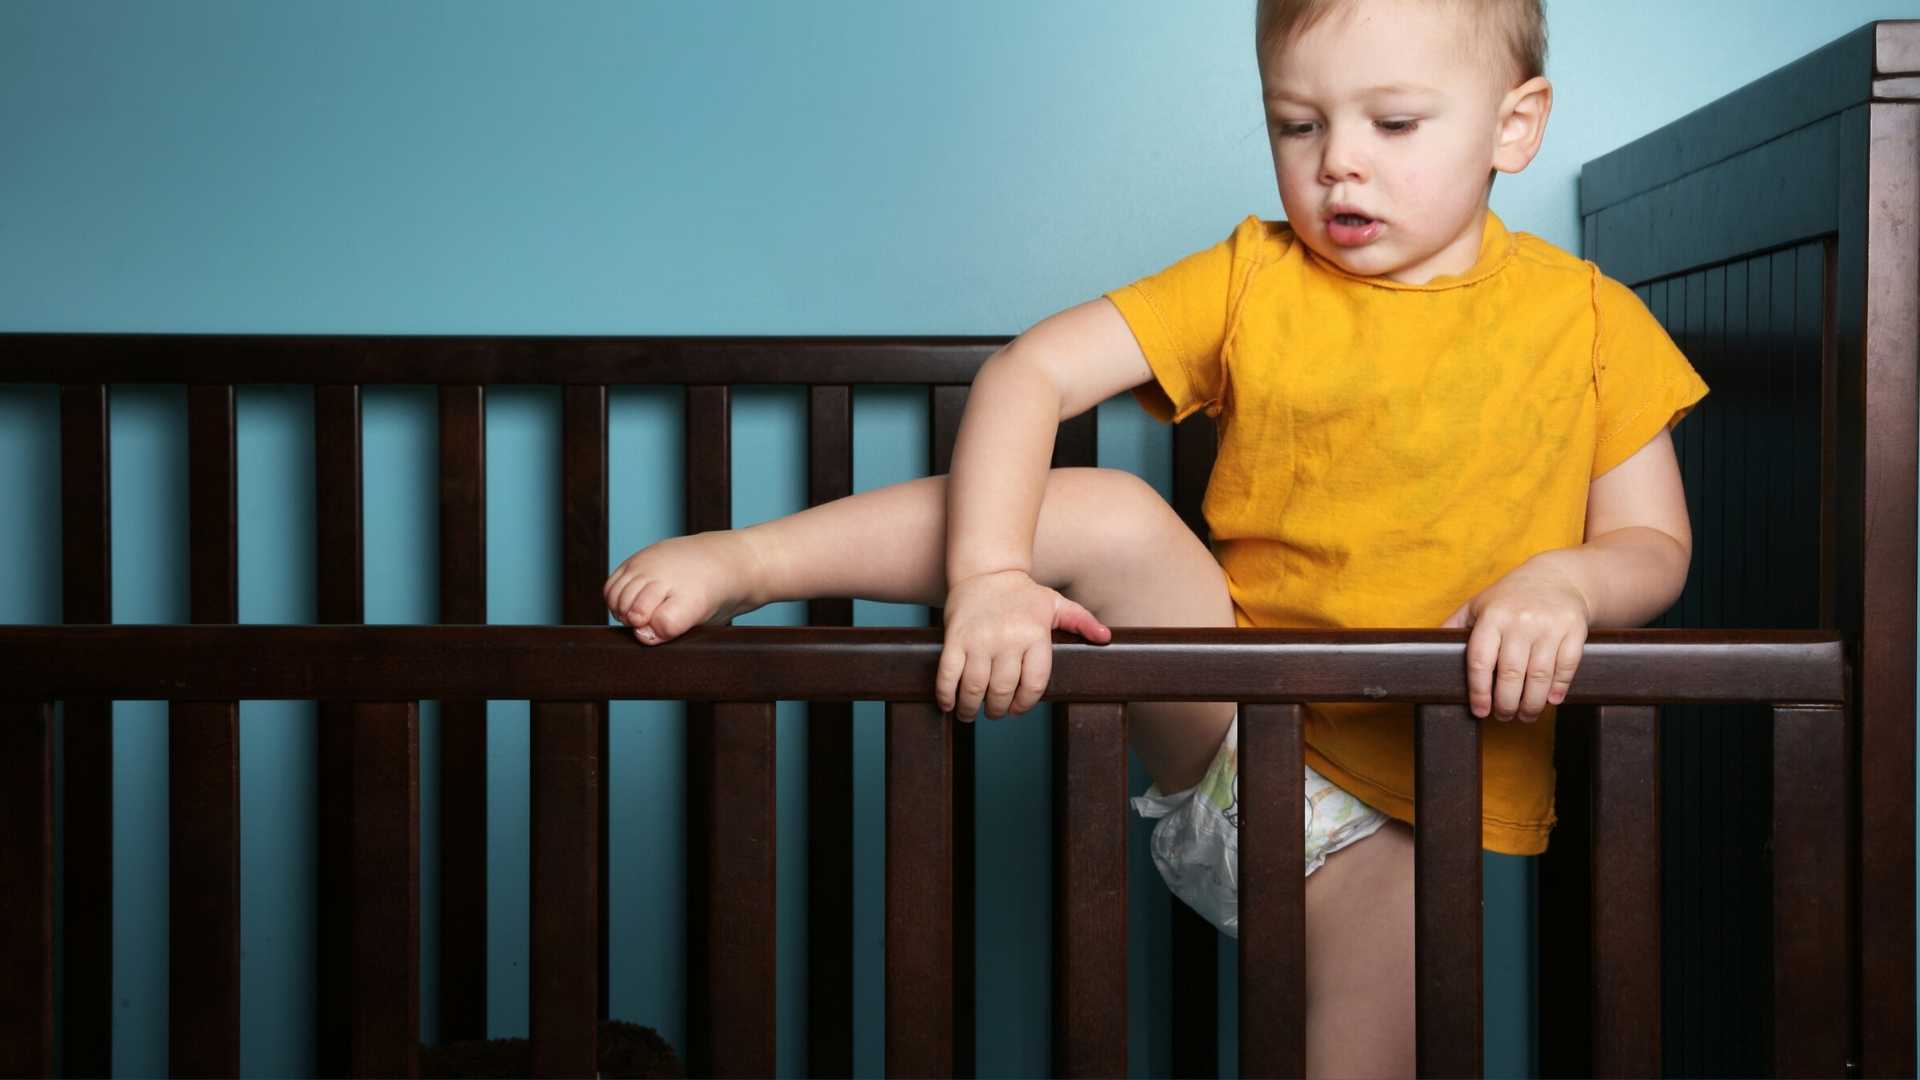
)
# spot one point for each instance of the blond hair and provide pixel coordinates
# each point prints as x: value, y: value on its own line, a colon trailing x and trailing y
x: 1516, y: 27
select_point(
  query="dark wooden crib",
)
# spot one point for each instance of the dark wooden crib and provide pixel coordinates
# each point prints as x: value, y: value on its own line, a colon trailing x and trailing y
x: 1798, y: 305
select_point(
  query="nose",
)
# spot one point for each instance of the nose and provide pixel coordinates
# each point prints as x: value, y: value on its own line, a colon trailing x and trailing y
x: 1341, y: 157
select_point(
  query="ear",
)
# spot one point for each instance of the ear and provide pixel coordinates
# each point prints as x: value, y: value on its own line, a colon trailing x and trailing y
x: 1523, y: 124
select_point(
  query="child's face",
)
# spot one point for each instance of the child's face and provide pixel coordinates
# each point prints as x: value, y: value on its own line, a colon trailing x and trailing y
x: 1387, y: 119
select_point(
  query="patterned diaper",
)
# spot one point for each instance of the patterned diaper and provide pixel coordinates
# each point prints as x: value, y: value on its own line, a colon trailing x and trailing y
x: 1197, y: 844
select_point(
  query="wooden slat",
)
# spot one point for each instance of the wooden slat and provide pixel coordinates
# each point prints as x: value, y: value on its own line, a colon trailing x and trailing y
x: 435, y: 360
x: 384, y: 1010
x: 584, y: 570
x: 740, y: 890
x: 945, y: 406
x: 1626, y: 892
x: 86, y: 553
x: 1195, y: 942
x: 390, y: 662
x: 204, y: 774
x: 708, y: 489
x: 463, y: 723
x: 829, y: 775
x: 1446, y: 900
x: 1811, y: 994
x: 26, y: 901
x: 919, y: 891
x: 1565, y: 988
x: 1273, y: 894
x: 340, y: 600
x: 1887, y: 297
x: 1090, y: 891
x: 564, y: 943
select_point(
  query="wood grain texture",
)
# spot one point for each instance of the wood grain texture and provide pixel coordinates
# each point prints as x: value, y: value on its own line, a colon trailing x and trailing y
x: 1626, y: 897
x: 384, y: 1008
x: 86, y: 553
x: 203, y: 768
x: 1812, y: 998
x: 1446, y: 891
x: 1273, y: 894
x: 26, y: 902
x: 1090, y: 891
x: 463, y: 721
x: 919, y: 891
x: 829, y: 775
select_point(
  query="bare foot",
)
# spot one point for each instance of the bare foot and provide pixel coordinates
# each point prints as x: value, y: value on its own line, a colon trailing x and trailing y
x: 665, y: 589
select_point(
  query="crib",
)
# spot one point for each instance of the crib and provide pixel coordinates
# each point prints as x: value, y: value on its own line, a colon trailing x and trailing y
x: 1772, y: 232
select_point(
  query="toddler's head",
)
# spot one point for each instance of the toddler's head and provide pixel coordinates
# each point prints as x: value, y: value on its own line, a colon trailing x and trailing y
x: 1388, y: 119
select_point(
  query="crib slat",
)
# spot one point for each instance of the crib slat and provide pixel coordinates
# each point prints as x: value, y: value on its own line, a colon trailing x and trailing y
x: 562, y: 990
x: 945, y: 407
x: 829, y: 775
x: 339, y: 572
x: 1273, y: 892
x: 26, y: 900
x: 1090, y: 891
x: 919, y: 888
x: 204, y: 774
x: 584, y: 539
x: 1195, y: 942
x: 87, y: 832
x: 740, y: 890
x: 463, y: 724
x: 1076, y: 445
x: 1811, y: 991
x: 1446, y: 907
x: 708, y: 488
x: 384, y: 1010
x: 1626, y: 897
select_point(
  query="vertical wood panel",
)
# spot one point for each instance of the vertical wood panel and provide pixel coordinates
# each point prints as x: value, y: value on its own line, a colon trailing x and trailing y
x: 1090, y: 891
x: 564, y: 944
x: 1811, y: 996
x: 1273, y: 893
x: 740, y: 890
x: 709, y: 506
x: 919, y: 891
x: 463, y: 724
x: 1626, y: 897
x: 584, y: 567
x: 1446, y: 900
x: 87, y: 728
x: 1195, y: 942
x: 829, y: 775
x: 1884, y: 292
x: 339, y: 601
x: 204, y: 774
x: 945, y: 406
x: 385, y: 837
x: 26, y: 904
x: 1565, y: 988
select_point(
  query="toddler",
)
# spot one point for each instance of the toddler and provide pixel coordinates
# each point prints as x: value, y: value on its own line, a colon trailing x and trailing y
x: 1424, y: 420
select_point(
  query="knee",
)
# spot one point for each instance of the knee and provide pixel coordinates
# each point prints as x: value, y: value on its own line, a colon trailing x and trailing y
x: 1125, y: 509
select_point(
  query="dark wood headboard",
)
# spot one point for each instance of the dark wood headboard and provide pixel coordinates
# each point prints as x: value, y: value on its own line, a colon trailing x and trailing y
x: 1772, y: 233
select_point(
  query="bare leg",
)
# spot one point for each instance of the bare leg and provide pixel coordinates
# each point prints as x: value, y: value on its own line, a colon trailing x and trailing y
x: 1360, y: 959
x: 1104, y: 538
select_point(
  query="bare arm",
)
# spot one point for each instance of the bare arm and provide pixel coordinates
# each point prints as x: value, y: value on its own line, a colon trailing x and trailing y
x: 1056, y: 370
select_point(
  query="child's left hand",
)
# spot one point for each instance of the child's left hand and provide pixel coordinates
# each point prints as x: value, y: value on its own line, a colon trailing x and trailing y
x: 1528, y: 630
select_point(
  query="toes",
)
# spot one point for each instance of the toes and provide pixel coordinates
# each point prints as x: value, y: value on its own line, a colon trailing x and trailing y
x: 674, y: 616
x: 641, y: 605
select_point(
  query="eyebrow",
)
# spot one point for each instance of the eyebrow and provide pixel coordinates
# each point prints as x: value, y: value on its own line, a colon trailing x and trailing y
x: 1371, y: 91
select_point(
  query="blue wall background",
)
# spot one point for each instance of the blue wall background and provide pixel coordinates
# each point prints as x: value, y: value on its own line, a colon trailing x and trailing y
x: 846, y: 167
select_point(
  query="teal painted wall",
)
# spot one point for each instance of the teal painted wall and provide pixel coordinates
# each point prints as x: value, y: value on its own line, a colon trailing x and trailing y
x: 856, y: 166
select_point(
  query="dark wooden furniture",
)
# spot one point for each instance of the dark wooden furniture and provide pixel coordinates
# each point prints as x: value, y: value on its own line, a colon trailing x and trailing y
x: 1773, y: 233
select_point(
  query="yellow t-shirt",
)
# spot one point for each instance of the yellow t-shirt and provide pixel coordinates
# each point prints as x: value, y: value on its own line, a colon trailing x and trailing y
x: 1387, y: 451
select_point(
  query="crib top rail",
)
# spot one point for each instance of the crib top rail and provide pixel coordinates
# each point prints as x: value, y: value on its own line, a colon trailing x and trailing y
x: 471, y: 360
x: 393, y: 663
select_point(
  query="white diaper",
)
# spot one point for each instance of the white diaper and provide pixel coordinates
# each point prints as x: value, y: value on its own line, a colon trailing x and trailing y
x: 1197, y: 844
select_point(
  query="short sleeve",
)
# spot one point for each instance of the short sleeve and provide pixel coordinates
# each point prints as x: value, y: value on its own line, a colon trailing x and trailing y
x: 1180, y: 317
x: 1643, y: 380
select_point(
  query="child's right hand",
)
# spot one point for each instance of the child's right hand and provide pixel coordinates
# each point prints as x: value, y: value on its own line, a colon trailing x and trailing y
x: 999, y: 643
